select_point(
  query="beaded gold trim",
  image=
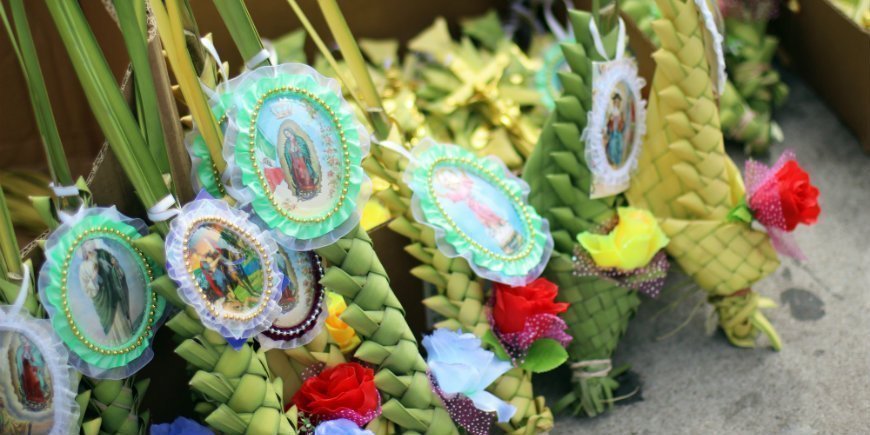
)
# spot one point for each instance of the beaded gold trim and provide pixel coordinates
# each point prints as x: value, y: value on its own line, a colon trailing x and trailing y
x: 149, y: 322
x: 527, y: 220
x: 252, y: 132
x: 265, y: 266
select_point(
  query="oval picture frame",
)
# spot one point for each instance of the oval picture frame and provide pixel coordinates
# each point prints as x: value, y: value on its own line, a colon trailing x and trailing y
x: 37, y: 384
x: 616, y: 126
x: 223, y: 265
x: 203, y: 173
x: 295, y: 151
x: 547, y: 80
x: 300, y: 322
x: 93, y: 271
x: 479, y: 211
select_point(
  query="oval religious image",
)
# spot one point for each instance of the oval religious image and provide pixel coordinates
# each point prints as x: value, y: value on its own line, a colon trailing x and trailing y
x: 225, y: 267
x: 482, y: 211
x: 300, y: 296
x: 108, y: 292
x: 26, y: 384
x: 620, y: 125
x: 298, y: 150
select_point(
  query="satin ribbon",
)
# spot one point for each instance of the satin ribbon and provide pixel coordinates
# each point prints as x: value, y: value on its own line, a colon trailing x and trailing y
x: 599, y: 44
x: 560, y: 32
x: 257, y: 59
x: 163, y: 210
x: 22, y: 292
x: 392, y: 146
x: 64, y: 191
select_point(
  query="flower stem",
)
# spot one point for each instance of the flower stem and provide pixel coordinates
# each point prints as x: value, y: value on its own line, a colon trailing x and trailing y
x: 238, y: 21
x: 11, y: 263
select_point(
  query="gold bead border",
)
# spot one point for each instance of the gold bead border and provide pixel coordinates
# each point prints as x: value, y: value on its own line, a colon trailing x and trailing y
x: 146, y: 332
x: 465, y: 161
x: 265, y: 266
x: 252, y: 132
x: 214, y: 171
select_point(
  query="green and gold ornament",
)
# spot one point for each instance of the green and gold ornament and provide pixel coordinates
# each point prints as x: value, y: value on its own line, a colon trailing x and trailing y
x: 294, y: 150
x: 225, y: 267
x: 479, y: 211
x: 204, y: 175
x: 96, y: 285
x: 38, y: 389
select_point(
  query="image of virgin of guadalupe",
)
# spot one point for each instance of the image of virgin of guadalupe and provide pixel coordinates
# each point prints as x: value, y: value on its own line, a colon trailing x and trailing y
x: 104, y: 281
x: 615, y: 137
x: 458, y: 187
x: 34, y: 389
x: 298, y: 162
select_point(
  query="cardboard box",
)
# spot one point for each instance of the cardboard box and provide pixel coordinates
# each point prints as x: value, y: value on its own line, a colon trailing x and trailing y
x: 832, y: 53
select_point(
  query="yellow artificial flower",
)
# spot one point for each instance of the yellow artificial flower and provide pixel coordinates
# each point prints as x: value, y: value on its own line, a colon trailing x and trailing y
x: 631, y: 245
x: 344, y: 335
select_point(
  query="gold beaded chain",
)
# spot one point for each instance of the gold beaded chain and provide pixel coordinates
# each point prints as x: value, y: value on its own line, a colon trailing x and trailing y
x: 265, y: 266
x: 214, y: 170
x: 527, y: 220
x: 111, y: 232
x: 252, y: 132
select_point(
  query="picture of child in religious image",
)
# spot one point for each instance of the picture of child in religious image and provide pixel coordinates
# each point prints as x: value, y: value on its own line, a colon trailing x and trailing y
x: 619, y: 127
x: 459, y: 188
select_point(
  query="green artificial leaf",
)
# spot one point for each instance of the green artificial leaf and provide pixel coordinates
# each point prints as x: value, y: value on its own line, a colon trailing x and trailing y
x: 490, y: 339
x: 544, y: 355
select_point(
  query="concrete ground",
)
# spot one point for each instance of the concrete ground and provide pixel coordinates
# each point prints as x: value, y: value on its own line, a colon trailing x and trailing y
x: 820, y: 382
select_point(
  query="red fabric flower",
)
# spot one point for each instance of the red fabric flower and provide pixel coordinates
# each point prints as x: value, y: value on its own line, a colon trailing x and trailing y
x: 344, y: 391
x: 798, y: 198
x: 514, y: 305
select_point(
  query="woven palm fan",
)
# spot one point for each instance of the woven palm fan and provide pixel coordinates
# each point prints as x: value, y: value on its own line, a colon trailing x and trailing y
x: 560, y: 188
x: 686, y: 179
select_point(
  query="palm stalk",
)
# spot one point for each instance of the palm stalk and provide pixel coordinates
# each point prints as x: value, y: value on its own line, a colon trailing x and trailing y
x: 108, y: 104
x: 11, y: 264
x: 25, y: 50
x: 238, y: 21
x: 560, y: 181
x: 688, y: 182
x: 131, y: 18
x: 170, y: 25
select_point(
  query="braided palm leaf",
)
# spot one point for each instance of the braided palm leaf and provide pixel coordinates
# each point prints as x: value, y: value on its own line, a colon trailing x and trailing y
x: 686, y: 180
x: 560, y: 181
x: 243, y: 395
x: 461, y: 296
x: 111, y: 407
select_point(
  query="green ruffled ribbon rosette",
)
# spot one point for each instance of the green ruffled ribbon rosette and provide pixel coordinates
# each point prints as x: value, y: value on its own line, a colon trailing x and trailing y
x: 419, y: 176
x: 53, y: 285
x: 353, y: 177
x: 560, y: 180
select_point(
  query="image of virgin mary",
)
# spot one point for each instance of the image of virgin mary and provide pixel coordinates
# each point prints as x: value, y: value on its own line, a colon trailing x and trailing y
x: 34, y: 391
x: 299, y: 163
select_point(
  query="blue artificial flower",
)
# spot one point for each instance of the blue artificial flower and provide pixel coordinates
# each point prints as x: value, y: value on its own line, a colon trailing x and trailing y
x: 460, y: 365
x: 181, y: 426
x: 341, y: 426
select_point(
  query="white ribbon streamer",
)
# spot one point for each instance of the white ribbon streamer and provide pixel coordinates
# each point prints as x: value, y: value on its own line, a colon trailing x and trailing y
x: 599, y: 44
x: 64, y: 191
x: 223, y: 70
x: 257, y: 59
x: 560, y: 32
x: 165, y: 209
x: 390, y: 145
x: 22, y: 292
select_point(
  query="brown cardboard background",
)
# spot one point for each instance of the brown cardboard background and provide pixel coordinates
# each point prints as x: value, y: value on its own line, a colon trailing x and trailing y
x: 832, y: 53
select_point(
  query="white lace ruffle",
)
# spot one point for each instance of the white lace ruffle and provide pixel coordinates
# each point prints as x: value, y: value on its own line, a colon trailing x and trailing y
x: 64, y: 378
x: 203, y: 210
x: 718, y: 42
x: 614, y: 181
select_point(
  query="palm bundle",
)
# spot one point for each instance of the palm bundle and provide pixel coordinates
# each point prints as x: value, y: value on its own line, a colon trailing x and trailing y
x: 688, y: 182
x: 560, y: 180
x: 461, y: 295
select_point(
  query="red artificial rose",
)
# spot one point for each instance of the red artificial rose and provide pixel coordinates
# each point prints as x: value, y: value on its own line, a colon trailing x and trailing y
x: 513, y: 305
x: 344, y: 391
x: 798, y: 198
